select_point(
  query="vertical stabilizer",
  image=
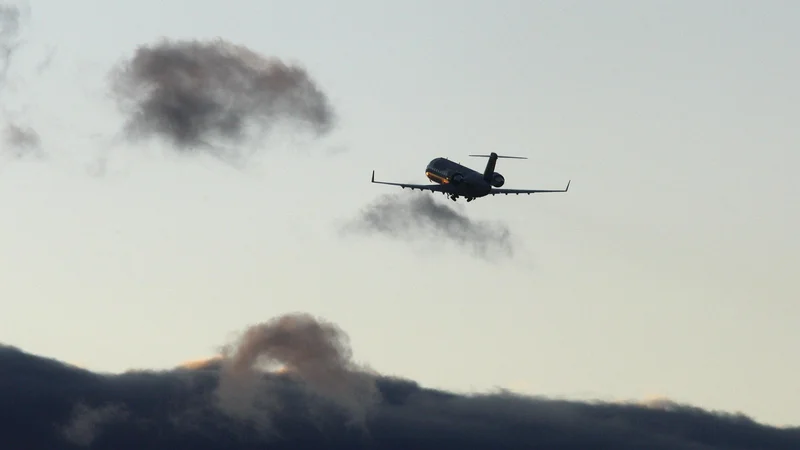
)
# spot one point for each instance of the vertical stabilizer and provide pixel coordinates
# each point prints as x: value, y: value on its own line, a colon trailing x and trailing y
x: 487, y: 174
x: 490, y: 165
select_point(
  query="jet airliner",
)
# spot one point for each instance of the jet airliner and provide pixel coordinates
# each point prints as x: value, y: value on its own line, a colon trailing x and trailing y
x: 454, y: 180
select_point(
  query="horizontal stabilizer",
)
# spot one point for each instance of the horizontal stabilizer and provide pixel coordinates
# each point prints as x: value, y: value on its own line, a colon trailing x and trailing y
x: 500, y: 156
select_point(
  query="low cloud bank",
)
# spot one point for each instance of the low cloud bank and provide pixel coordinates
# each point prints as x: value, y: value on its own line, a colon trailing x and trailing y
x: 321, y: 399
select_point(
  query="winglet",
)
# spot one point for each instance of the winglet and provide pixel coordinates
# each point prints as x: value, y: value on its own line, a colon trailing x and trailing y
x: 565, y: 189
x: 373, y: 176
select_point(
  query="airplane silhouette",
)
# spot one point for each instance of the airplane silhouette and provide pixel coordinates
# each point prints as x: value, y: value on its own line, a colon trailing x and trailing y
x: 455, y: 180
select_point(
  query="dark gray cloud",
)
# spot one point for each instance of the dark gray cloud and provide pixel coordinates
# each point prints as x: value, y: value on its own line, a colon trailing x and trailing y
x: 233, y: 403
x: 21, y: 140
x: 214, y: 94
x: 415, y: 216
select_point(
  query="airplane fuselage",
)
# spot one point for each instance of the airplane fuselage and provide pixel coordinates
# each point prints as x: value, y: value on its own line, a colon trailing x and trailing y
x: 461, y: 181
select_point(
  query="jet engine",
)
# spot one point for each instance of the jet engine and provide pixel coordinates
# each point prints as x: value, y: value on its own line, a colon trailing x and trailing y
x: 498, y: 180
x: 456, y: 178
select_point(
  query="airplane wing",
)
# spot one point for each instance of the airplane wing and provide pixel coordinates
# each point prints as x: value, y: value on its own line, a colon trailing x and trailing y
x: 526, y: 191
x: 421, y: 187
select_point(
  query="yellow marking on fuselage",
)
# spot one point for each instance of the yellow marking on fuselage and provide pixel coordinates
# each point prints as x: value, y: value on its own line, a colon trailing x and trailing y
x: 437, y: 178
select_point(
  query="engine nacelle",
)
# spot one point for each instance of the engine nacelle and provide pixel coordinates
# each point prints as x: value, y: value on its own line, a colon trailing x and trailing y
x: 498, y: 180
x: 456, y: 178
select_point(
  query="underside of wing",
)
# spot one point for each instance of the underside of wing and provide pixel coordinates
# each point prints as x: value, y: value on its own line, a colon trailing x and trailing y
x: 526, y: 191
x: 421, y: 187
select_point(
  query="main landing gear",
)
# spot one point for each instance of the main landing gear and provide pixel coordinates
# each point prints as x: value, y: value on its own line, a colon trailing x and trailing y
x: 454, y: 198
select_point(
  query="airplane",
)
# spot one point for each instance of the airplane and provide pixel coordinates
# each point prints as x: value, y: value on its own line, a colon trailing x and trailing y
x: 455, y: 180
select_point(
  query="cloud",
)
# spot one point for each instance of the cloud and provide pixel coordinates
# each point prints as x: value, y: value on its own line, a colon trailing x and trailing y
x: 21, y: 140
x: 9, y: 33
x: 211, y: 94
x: 234, y: 402
x: 414, y: 216
x: 84, y: 422
x: 313, y: 351
x: 18, y: 140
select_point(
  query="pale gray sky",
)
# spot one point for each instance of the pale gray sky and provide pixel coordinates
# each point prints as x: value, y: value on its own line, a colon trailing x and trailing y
x: 669, y: 269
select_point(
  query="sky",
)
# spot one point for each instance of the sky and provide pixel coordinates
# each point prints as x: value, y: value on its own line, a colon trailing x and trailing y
x: 665, y: 271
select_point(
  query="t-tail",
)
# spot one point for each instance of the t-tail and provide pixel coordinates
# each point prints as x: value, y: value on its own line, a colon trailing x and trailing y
x: 487, y: 174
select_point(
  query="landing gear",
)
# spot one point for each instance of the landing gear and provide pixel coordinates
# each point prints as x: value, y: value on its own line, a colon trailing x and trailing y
x: 454, y: 198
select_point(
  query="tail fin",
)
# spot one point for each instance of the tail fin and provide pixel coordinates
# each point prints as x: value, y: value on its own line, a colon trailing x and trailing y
x: 490, y: 165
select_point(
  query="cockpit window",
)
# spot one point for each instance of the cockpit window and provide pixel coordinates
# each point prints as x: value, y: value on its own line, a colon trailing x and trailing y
x: 439, y: 164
